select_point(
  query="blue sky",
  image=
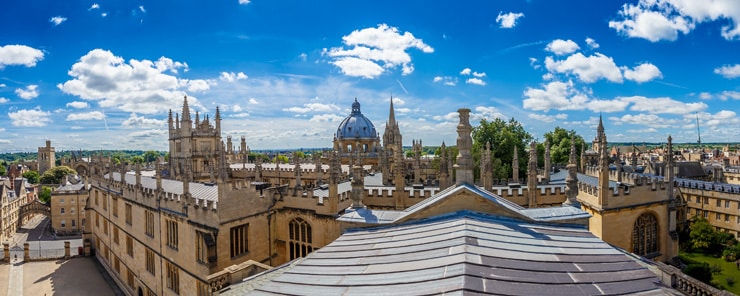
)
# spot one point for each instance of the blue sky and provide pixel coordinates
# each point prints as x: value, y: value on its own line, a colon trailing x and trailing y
x: 103, y: 75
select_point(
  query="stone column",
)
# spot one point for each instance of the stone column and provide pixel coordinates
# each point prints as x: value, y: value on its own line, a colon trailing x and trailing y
x: 26, y: 257
x: 66, y: 250
x: 6, y: 253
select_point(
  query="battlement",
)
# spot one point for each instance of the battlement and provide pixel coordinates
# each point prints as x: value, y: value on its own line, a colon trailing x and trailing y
x: 634, y: 179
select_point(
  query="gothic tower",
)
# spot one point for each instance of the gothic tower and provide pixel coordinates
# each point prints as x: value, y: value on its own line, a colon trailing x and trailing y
x: 532, y: 176
x: 464, y: 166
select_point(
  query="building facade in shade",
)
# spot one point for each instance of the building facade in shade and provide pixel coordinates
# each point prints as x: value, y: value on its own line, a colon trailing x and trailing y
x: 210, y: 217
x: 68, y: 208
x: 14, y: 193
x: 46, y: 158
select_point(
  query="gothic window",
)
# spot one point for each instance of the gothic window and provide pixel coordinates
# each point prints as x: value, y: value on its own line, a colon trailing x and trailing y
x: 300, y: 238
x: 645, y: 235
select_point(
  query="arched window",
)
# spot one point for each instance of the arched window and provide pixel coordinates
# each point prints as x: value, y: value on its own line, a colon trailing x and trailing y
x: 300, y: 238
x: 645, y: 235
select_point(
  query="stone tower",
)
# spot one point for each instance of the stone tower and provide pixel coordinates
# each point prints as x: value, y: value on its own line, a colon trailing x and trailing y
x: 46, y: 158
x: 532, y: 175
x: 464, y: 166
x: 515, y: 165
x: 603, y: 169
x: 392, y: 142
x: 486, y: 168
x: 571, y: 180
x: 548, y: 163
x: 444, y: 174
x: 195, y: 146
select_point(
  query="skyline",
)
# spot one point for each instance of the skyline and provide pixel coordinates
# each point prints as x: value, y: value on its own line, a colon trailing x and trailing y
x: 96, y: 75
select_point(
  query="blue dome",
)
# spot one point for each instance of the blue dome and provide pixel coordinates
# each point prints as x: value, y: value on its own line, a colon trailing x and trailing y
x: 356, y: 125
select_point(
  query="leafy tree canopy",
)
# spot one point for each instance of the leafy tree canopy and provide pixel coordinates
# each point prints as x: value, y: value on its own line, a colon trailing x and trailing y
x: 504, y: 137
x: 560, y: 144
x: 32, y: 177
x: 56, y: 174
x: 45, y: 194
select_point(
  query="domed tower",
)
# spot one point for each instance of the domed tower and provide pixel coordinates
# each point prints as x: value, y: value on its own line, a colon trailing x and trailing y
x: 356, y: 133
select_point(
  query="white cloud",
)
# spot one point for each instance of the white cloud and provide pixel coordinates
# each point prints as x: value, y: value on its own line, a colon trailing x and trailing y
x: 137, y: 86
x: 30, y: 92
x: 663, y: 105
x: 642, y: 73
x: 19, y: 55
x: 4, y: 100
x: 252, y: 101
x: 196, y: 85
x: 476, y: 81
x: 482, y: 112
x: 94, y: 115
x: 326, y: 118
x: 240, y: 115
x: 445, y: 80
x: 555, y: 95
x: 479, y: 74
x: 592, y: 43
x: 465, y: 71
x: 78, y: 105
x: 94, y: 6
x: 548, y: 118
x: 657, y: 20
x: 533, y: 63
x: 104, y: 14
x: 607, y: 106
x: 730, y: 94
x: 231, y: 76
x: 313, y: 107
x: 728, y: 71
x: 2, y: 85
x: 134, y: 121
x: 57, y: 20
x: 705, y: 96
x: 374, y: 50
x: 30, y: 117
x: 244, y: 2
x: 562, y: 47
x: 587, y: 69
x: 508, y: 20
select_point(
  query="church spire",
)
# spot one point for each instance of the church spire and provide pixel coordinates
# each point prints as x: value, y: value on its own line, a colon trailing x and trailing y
x: 185, y: 111
x: 392, y: 115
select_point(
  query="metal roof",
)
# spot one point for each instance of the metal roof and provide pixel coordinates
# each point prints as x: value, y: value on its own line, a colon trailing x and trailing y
x: 460, y: 253
x: 197, y: 190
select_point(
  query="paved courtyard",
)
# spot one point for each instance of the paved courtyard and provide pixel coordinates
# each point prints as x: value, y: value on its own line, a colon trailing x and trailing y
x: 76, y: 276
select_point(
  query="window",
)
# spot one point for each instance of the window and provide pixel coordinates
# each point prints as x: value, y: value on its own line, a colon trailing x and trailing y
x: 204, y: 289
x: 239, y: 240
x: 61, y: 200
x: 719, y: 202
x: 64, y: 223
x: 644, y: 235
x: 129, y: 246
x: 62, y: 209
x: 105, y: 203
x: 114, y: 204
x: 201, y: 249
x: 717, y: 216
x: 150, y: 261
x: 117, y: 264
x: 688, y: 198
x: 128, y: 214
x: 73, y: 223
x: 300, y: 238
x: 149, y: 222
x: 72, y: 210
x: 727, y: 218
x: 706, y: 200
x: 105, y: 227
x: 96, y: 198
x: 698, y: 199
x: 173, y: 277
x: 130, y: 279
x: 706, y: 214
x: 115, y: 234
x: 727, y: 204
x: 172, y: 234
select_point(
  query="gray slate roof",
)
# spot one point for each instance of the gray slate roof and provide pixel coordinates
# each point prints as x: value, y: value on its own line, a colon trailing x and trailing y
x: 197, y: 190
x: 458, y: 254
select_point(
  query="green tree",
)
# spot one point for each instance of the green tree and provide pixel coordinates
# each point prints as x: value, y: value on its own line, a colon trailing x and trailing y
x: 504, y: 137
x: 45, y: 194
x: 3, y: 168
x: 56, y: 174
x: 137, y: 159
x: 150, y: 156
x: 281, y: 159
x: 299, y: 154
x: 560, y: 144
x: 32, y: 177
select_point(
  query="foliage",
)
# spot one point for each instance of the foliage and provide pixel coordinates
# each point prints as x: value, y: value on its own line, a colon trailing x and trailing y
x: 299, y: 154
x: 731, y: 253
x: 730, y: 281
x: 56, y: 175
x: 560, y: 144
x: 137, y: 159
x: 704, y: 238
x: 281, y: 158
x: 150, y: 156
x: 3, y: 168
x: 699, y: 271
x: 45, y: 194
x: 504, y: 137
x: 32, y: 177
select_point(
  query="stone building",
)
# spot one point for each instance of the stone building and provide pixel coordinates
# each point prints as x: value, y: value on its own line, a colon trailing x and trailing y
x: 14, y: 193
x: 68, y: 208
x: 194, y: 146
x: 46, y: 158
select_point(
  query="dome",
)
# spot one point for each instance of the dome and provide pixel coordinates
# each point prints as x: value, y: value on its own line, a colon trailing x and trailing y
x: 356, y: 125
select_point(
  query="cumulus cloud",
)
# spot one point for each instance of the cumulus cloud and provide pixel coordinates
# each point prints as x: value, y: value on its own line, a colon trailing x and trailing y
x: 231, y: 76
x: 508, y: 20
x: 140, y: 86
x: 94, y: 6
x: 135, y: 121
x: 554, y: 95
x: 94, y: 115
x: 562, y: 47
x: 78, y: 105
x: 313, y: 107
x: 476, y: 81
x: 481, y: 112
x: 57, y: 20
x: 465, y: 71
x: 326, y: 118
x: 657, y: 20
x: 662, y: 105
x: 30, y: 117
x: 244, y: 2
x: 19, y: 55
x: 592, y: 43
x: 548, y: 118
x: 30, y: 92
x: 252, y: 101
x: 587, y: 69
x: 730, y: 94
x: 728, y: 71
x: 642, y: 73
x: 372, y: 51
x: 4, y: 100
x: 445, y: 80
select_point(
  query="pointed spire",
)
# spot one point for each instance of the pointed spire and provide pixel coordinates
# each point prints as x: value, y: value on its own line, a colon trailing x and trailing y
x: 392, y: 114
x: 218, y: 120
x: 600, y: 129
x: 197, y: 119
x: 515, y: 165
x: 185, y: 110
x: 170, y: 123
